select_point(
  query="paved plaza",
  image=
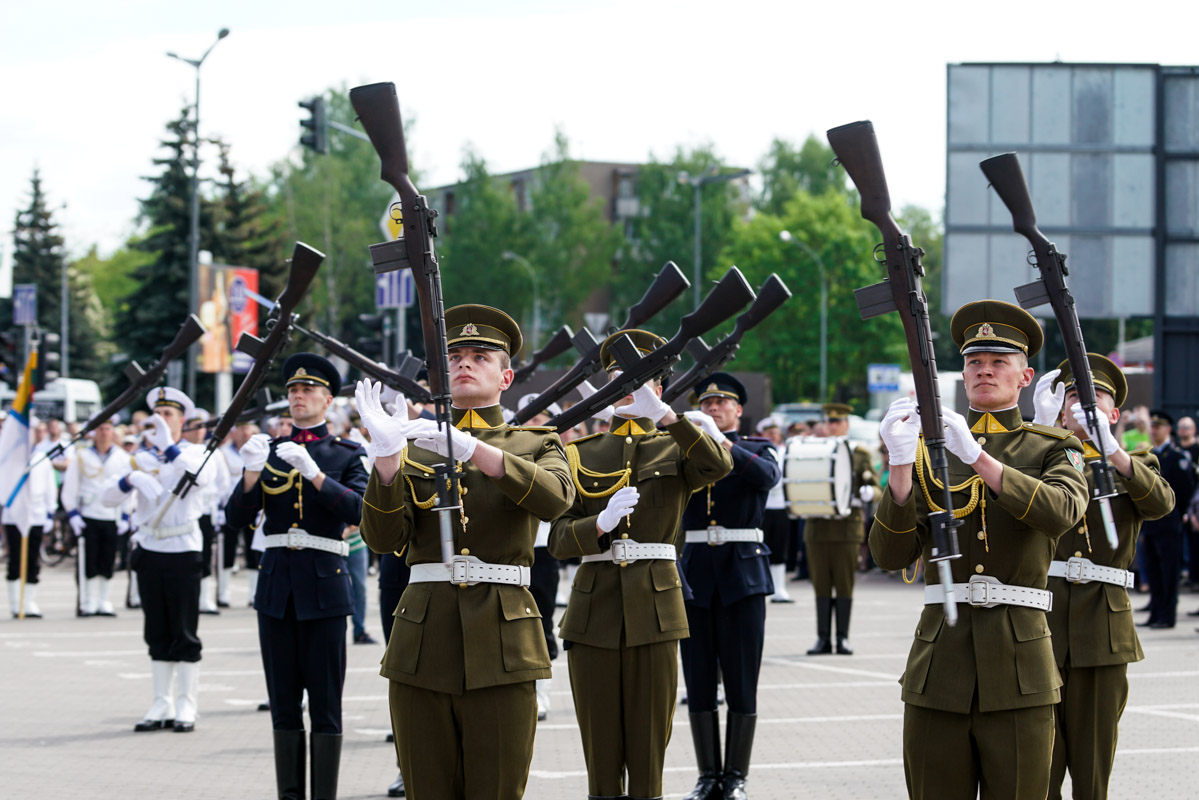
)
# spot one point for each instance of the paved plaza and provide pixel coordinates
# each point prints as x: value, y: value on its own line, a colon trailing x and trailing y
x: 829, y: 726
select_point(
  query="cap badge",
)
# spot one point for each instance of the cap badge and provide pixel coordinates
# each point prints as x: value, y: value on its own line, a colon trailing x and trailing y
x: 986, y: 331
x: 469, y: 329
x: 162, y: 394
x: 712, y: 388
x: 301, y: 373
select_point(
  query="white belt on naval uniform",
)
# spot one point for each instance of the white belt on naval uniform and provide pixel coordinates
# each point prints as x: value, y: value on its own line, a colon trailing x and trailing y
x: 716, y: 534
x: 1082, y: 570
x: 297, y: 539
x: 468, y: 571
x: 171, y: 531
x: 626, y: 551
x: 988, y: 592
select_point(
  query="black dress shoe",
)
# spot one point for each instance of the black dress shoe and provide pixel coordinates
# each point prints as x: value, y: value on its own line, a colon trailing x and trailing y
x: 183, y: 727
x: 221, y: 604
x: 150, y: 725
x: 396, y: 789
x: 1145, y: 608
x: 1194, y: 613
x: 264, y: 706
x: 1158, y: 626
x: 364, y: 638
x: 1147, y: 623
x: 391, y: 737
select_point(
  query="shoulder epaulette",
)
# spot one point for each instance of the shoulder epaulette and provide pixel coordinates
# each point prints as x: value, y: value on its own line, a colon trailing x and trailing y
x: 1143, y: 449
x: 1047, y: 430
x: 280, y: 439
x: 535, y: 428
x: 350, y: 443
x: 584, y: 438
x: 755, y: 439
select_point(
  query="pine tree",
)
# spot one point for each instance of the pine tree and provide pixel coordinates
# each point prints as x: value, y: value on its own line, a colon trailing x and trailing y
x: 245, y: 235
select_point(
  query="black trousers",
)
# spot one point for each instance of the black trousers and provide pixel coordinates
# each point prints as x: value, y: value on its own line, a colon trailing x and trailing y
x: 99, y: 547
x: 1163, y: 561
x: 725, y: 641
x: 303, y: 654
x: 208, y: 531
x: 543, y: 585
x: 776, y: 534
x: 33, y: 560
x: 393, y: 580
x: 169, y: 584
x: 230, y: 555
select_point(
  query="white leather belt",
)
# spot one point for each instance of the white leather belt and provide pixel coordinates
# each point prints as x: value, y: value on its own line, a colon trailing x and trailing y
x: 468, y: 571
x: 171, y: 531
x: 297, y: 539
x: 626, y: 551
x: 987, y: 592
x: 1082, y: 570
x: 715, y: 534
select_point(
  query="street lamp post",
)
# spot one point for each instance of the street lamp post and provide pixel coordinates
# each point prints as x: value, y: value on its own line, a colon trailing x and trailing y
x: 786, y: 236
x: 193, y: 281
x: 697, y: 183
x: 524, y: 262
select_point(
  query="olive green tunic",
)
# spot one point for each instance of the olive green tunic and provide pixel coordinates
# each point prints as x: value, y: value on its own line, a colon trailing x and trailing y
x: 831, y: 545
x: 622, y: 624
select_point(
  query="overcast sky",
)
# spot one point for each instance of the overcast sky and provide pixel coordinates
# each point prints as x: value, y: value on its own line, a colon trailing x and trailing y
x: 86, y: 88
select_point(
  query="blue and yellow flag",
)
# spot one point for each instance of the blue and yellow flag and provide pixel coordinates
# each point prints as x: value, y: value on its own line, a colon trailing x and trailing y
x: 16, y: 445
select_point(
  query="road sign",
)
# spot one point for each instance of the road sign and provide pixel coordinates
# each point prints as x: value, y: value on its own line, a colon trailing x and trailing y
x: 24, y: 304
x: 391, y: 221
x: 882, y: 377
x: 394, y: 289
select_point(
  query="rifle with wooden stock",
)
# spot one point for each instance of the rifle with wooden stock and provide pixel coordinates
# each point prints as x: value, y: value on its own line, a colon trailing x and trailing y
x: 558, y: 344
x: 1005, y: 175
x: 857, y: 150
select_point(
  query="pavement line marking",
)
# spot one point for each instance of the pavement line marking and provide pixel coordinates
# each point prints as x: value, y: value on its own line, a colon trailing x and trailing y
x: 227, y: 673
x: 372, y: 731
x: 1180, y: 674
x: 681, y: 722
x: 102, y: 634
x: 140, y: 652
x: 1152, y: 751
x: 1155, y: 712
x: 825, y: 668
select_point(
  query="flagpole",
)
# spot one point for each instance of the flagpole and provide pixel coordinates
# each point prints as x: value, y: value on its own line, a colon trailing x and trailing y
x: 24, y: 575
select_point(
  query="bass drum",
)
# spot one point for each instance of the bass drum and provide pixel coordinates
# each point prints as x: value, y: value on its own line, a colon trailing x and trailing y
x: 818, y: 477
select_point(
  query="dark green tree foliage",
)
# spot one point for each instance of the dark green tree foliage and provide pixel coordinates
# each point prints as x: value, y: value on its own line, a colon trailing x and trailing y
x: 39, y: 258
x: 666, y: 231
x: 786, y: 170
x: 245, y: 236
x: 787, y: 345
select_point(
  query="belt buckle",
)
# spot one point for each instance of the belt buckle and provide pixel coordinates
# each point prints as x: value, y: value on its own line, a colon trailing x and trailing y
x: 978, y: 593
x: 1074, y: 569
x: 620, y: 552
x: 292, y: 539
x: 460, y: 571
x: 714, y: 534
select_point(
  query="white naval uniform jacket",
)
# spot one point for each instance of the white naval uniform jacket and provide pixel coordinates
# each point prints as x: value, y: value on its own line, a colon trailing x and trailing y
x: 86, y: 475
x: 183, y: 514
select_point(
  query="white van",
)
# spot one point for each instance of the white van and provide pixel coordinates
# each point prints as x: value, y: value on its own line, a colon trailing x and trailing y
x: 68, y: 399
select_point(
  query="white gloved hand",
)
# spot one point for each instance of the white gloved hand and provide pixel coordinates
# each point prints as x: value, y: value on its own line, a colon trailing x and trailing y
x: 298, y: 456
x: 389, y: 432
x: 255, y: 451
x: 900, y: 431
x: 393, y: 402
x: 431, y: 437
x: 866, y: 494
x: 1103, y: 437
x: 706, y: 424
x: 145, y: 484
x: 646, y: 403
x: 958, y: 438
x: 1047, y: 400
x: 123, y: 524
x: 76, y: 522
x: 605, y: 413
x: 218, y: 518
x: 620, y: 504
x: 160, y: 433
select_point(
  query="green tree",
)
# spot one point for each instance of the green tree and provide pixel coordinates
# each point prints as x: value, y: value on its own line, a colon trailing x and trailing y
x: 39, y: 258
x: 786, y: 170
x: 787, y: 345
x: 245, y: 235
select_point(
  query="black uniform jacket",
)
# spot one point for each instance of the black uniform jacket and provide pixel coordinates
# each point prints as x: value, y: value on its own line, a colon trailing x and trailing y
x: 317, y: 581
x: 1179, y: 472
x: 738, y: 569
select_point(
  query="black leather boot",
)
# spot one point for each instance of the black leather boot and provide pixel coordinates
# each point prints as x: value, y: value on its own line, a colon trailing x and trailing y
x: 289, y: 764
x: 844, y: 606
x: 824, y: 624
x: 705, y: 734
x: 397, y: 789
x: 738, y: 746
x: 326, y: 759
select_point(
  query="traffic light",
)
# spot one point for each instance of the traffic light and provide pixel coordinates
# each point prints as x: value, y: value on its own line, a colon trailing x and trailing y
x: 9, y: 368
x: 375, y: 343
x: 317, y: 135
x: 48, y: 359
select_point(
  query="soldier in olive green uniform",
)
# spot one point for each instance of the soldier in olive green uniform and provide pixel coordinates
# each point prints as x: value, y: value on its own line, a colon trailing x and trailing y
x: 466, y: 645
x: 626, y: 613
x: 980, y: 695
x: 1094, y: 638
x: 832, y: 544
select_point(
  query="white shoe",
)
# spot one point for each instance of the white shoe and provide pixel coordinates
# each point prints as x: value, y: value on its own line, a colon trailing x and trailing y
x: 543, y: 697
x: 103, y: 604
x: 31, y: 608
x: 253, y: 580
x: 14, y: 597
x: 90, y: 594
x: 222, y: 588
x: 207, y: 601
x: 135, y: 597
x: 162, y: 708
x: 186, y: 692
x: 778, y: 574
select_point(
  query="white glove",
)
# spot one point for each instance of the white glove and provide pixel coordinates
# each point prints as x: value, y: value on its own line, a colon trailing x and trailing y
x: 298, y: 456
x: 900, y: 431
x: 255, y: 451
x: 145, y: 484
x: 1048, y: 401
x: 958, y: 438
x: 1102, y: 437
x: 77, y: 524
x: 866, y: 494
x: 389, y: 433
x: 620, y: 504
x: 706, y: 424
x: 123, y: 524
x: 219, y: 518
x: 160, y: 433
x: 431, y: 437
x: 146, y: 461
x: 393, y: 402
x: 586, y: 390
x: 646, y: 403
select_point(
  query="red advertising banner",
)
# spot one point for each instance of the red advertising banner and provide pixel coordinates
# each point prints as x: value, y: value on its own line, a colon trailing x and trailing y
x: 227, y: 311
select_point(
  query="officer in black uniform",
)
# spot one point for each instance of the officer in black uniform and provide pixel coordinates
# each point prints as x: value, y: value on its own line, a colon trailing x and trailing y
x: 310, y: 485
x: 1162, y: 538
x: 728, y: 569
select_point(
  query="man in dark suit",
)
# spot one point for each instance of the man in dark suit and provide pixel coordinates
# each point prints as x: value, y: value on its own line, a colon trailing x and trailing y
x: 1162, y: 538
